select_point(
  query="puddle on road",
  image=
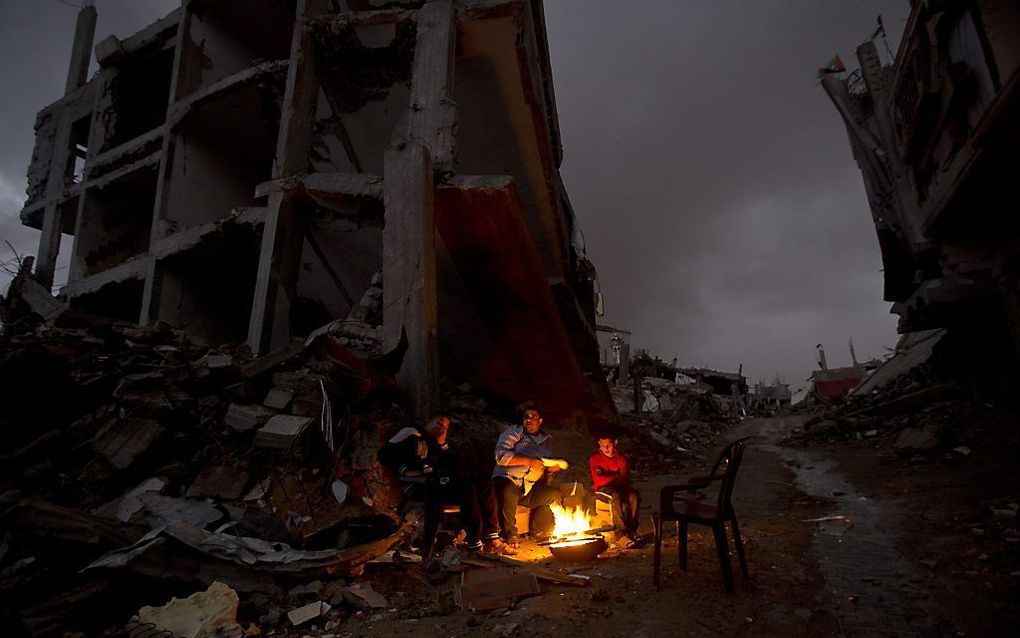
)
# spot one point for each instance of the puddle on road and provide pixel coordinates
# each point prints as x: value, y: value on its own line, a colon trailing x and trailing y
x: 868, y: 582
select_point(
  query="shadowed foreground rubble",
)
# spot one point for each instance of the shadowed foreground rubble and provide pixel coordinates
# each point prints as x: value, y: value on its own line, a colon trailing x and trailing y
x: 138, y: 467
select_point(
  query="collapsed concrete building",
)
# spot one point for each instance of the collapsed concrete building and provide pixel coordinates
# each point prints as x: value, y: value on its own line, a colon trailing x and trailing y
x: 250, y: 171
x: 936, y: 136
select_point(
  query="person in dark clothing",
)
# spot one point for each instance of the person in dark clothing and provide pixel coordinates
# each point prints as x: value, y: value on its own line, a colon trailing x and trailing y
x: 610, y: 474
x: 424, y: 463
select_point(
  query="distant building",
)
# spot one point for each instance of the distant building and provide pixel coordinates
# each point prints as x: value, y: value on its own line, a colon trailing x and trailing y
x: 937, y: 138
x: 614, y: 353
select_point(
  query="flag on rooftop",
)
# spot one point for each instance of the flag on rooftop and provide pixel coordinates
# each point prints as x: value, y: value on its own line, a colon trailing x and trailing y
x: 835, y: 66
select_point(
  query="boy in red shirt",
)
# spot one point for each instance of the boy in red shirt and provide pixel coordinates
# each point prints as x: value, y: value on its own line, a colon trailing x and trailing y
x: 610, y: 474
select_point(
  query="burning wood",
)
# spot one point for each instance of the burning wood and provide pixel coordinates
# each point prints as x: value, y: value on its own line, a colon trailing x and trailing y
x: 573, y: 538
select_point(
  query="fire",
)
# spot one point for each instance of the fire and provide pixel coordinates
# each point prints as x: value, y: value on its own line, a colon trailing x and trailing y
x: 569, y: 521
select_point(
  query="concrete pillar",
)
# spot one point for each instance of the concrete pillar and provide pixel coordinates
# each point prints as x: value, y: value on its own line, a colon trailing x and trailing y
x: 81, y: 50
x: 410, y: 305
x: 282, y: 236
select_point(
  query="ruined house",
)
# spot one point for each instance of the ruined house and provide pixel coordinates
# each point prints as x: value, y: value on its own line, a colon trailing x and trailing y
x: 936, y: 135
x: 250, y: 171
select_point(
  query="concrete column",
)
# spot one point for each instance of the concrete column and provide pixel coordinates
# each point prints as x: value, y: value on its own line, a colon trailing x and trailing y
x: 282, y: 236
x: 81, y: 50
x: 409, y: 272
x: 433, y: 112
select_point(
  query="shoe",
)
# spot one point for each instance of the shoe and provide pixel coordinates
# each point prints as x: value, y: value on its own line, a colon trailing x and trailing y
x: 473, y: 547
x: 498, y: 547
x: 513, y: 540
x: 631, y: 542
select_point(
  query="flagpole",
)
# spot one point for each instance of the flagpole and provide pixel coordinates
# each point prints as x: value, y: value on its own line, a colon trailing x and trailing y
x: 892, y: 58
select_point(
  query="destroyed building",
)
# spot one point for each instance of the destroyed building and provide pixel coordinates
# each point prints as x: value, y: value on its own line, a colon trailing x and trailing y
x: 936, y: 135
x: 252, y: 171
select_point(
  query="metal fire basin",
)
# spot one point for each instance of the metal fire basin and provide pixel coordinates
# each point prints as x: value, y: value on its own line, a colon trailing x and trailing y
x: 579, y: 549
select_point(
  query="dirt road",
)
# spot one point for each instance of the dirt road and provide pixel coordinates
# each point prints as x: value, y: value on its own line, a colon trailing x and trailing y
x: 829, y: 555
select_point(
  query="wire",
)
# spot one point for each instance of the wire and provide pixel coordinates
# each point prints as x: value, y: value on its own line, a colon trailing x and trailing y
x: 71, y: 4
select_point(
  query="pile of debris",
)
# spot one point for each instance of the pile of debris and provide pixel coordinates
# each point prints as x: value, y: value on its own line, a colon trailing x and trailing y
x: 138, y: 466
x: 674, y: 417
x: 916, y: 403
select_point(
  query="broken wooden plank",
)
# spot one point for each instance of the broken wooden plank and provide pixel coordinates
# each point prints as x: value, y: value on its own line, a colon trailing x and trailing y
x: 539, y: 572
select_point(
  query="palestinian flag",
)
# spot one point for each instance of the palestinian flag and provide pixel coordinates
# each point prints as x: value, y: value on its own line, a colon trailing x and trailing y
x: 835, y: 66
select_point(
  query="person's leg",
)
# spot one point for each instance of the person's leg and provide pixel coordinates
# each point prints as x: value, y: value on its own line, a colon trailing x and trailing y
x: 631, y: 508
x: 619, y: 522
x: 538, y: 500
x: 508, y: 496
x: 470, y: 510
x: 488, y: 510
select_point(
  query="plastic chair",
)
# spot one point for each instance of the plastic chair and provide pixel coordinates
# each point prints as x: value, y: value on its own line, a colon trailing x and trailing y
x: 679, y: 503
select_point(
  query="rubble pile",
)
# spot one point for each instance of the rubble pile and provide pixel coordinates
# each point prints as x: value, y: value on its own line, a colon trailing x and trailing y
x: 139, y: 467
x: 923, y: 409
x: 674, y: 417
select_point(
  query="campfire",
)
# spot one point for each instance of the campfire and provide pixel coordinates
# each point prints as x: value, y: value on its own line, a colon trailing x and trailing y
x: 572, y: 536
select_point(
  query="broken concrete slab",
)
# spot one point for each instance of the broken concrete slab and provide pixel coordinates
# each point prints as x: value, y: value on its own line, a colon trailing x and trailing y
x: 913, y: 349
x: 134, y: 383
x: 921, y: 439
x: 494, y: 588
x: 282, y: 431
x: 125, y: 507
x: 308, y: 612
x: 217, y: 365
x: 36, y: 298
x: 243, y: 417
x: 278, y: 398
x: 366, y: 596
x: 163, y: 510
x: 222, y: 482
x: 122, y: 441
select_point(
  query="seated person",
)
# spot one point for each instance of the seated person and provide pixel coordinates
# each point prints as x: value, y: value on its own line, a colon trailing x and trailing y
x: 520, y: 478
x: 610, y: 474
x: 424, y: 463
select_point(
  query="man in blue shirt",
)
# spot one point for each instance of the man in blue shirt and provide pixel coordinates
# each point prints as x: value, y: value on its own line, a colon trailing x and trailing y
x: 520, y: 477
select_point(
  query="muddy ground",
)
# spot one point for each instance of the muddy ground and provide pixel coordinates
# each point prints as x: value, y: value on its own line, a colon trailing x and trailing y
x: 924, y: 547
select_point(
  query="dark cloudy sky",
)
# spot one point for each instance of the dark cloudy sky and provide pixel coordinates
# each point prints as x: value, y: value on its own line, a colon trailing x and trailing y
x: 710, y: 173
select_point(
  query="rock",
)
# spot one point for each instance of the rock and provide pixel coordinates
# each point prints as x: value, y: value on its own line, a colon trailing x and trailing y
x: 921, y: 439
x: 246, y: 417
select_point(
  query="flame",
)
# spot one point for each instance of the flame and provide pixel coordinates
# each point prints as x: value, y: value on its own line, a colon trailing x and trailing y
x: 569, y: 521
